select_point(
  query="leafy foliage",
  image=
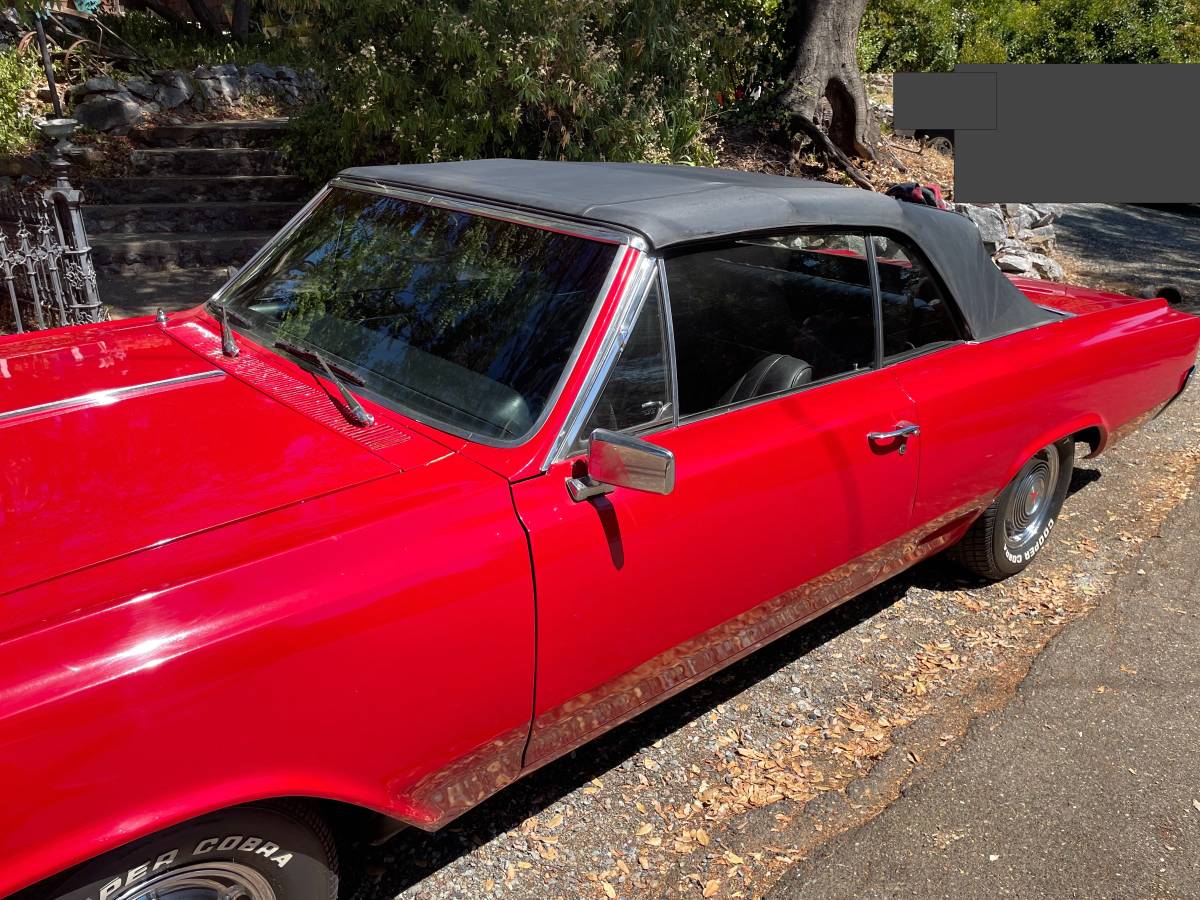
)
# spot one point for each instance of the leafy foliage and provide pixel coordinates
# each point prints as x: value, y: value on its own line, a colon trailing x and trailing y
x: 169, y: 46
x: 19, y: 76
x: 935, y: 35
x: 415, y: 81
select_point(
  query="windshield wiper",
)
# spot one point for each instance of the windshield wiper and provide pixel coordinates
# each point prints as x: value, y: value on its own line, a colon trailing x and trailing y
x: 228, y: 344
x: 357, y: 414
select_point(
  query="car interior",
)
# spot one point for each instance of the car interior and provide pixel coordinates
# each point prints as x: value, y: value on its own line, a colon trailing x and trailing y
x: 762, y: 316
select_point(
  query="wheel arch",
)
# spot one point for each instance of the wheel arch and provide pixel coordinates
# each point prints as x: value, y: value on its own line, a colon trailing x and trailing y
x: 1089, y: 429
x: 352, y: 817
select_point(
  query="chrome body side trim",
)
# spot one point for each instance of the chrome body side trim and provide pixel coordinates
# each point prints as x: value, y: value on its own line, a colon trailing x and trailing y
x: 110, y: 396
x: 628, y: 307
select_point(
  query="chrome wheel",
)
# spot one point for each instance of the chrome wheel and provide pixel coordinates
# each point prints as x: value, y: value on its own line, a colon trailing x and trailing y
x: 204, y: 881
x: 1031, y: 503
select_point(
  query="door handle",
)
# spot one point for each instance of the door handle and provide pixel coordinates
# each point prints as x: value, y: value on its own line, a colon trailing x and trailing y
x: 901, y: 431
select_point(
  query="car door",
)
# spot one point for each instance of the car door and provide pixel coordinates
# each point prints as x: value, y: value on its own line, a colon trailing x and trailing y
x: 782, y: 502
x: 925, y: 348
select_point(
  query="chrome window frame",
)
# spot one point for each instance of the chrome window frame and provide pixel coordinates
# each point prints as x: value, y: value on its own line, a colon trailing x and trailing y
x: 629, y: 306
x: 621, y: 242
x: 876, y: 310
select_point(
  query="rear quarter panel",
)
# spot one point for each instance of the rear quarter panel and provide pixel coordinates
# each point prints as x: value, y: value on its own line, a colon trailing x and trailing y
x: 373, y: 646
x: 985, y: 408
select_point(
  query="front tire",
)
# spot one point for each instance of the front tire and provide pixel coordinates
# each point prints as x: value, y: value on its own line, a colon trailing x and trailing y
x: 1013, y: 530
x: 269, y: 851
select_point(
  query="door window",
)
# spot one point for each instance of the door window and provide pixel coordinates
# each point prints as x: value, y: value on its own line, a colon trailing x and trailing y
x: 766, y: 315
x: 916, y: 313
x: 637, y: 394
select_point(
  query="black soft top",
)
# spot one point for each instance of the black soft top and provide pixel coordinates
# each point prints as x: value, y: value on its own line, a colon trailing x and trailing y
x: 673, y: 205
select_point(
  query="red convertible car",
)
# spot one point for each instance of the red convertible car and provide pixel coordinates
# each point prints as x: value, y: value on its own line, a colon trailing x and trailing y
x: 477, y: 460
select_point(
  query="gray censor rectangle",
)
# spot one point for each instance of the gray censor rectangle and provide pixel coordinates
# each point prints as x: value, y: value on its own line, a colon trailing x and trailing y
x: 1122, y: 134
x: 958, y: 100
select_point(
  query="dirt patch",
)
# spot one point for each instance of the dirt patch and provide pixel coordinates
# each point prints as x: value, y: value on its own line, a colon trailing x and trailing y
x: 753, y: 148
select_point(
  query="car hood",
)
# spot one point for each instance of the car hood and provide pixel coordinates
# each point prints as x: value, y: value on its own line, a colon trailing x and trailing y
x: 125, y: 437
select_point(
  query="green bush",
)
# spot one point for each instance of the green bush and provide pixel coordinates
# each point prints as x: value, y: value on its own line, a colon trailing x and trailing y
x: 19, y: 76
x: 166, y: 45
x: 935, y: 35
x: 419, y: 81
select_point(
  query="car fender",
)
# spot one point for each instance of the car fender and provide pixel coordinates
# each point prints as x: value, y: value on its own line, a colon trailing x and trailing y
x: 1052, y: 434
x: 373, y: 647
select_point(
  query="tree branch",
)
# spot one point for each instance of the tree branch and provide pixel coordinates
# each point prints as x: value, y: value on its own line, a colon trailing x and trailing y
x: 798, y: 122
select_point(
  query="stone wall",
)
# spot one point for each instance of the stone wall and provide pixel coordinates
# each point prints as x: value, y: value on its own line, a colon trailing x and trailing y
x: 1019, y: 236
x: 105, y: 104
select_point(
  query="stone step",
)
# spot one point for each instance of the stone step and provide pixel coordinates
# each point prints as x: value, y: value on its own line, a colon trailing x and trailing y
x: 155, y: 252
x: 196, y: 189
x: 210, y: 218
x: 141, y: 293
x: 235, y: 133
x: 206, y: 161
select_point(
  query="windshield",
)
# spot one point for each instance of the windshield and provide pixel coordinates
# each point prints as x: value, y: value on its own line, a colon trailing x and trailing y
x: 456, y: 318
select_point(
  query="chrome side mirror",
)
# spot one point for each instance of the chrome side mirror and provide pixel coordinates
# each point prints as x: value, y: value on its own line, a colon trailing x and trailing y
x: 618, y: 460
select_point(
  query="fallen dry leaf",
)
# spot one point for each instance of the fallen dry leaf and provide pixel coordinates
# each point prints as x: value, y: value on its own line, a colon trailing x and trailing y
x: 712, y: 887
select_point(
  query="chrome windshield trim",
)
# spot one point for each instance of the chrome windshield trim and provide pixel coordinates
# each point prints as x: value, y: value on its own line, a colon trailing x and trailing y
x: 516, y: 215
x: 109, y: 396
x: 256, y: 261
x: 620, y: 240
x: 628, y: 307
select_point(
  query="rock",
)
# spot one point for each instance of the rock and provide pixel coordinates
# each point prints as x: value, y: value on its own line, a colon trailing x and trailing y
x: 220, y: 90
x: 1014, y: 263
x: 286, y: 73
x: 171, y: 97
x: 225, y: 70
x: 202, y: 72
x: 97, y: 85
x: 989, y: 222
x: 1045, y: 213
x: 1025, y: 217
x: 262, y: 70
x: 1042, y: 237
x: 116, y: 112
x: 1012, y: 210
x: 1046, y: 267
x: 141, y: 88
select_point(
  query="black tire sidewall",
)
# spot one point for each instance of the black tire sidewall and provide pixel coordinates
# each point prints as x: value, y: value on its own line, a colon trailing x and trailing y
x: 1027, y: 551
x: 301, y: 868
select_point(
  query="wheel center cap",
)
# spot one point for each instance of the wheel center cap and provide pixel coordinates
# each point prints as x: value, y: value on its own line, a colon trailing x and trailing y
x: 1031, y: 500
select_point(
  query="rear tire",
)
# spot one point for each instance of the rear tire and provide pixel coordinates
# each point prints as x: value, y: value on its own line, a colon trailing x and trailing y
x: 267, y: 851
x: 1013, y: 530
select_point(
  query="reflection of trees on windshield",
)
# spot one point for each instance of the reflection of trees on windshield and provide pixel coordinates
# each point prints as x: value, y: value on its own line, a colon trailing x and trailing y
x: 401, y: 289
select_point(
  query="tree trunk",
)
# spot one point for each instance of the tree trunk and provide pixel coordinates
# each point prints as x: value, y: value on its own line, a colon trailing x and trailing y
x: 210, y: 14
x: 158, y: 7
x: 823, y: 35
x: 241, y: 20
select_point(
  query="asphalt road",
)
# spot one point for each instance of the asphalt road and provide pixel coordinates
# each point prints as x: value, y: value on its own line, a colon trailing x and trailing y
x: 1128, y: 248
x: 1084, y: 786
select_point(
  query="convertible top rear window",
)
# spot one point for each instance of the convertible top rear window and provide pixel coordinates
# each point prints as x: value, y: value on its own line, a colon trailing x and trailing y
x: 457, y: 318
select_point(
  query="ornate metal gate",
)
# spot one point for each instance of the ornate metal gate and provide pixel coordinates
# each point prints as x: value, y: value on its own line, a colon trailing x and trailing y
x: 46, y: 273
